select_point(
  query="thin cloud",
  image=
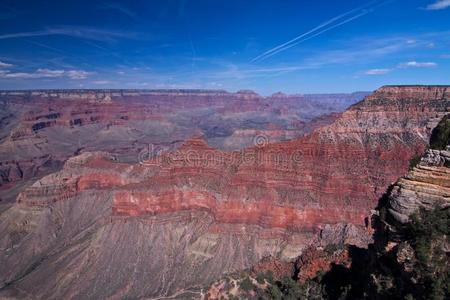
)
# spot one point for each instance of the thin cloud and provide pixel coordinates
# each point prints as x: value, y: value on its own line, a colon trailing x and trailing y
x: 77, y: 74
x: 46, y: 73
x: 101, y: 82
x: 442, y: 4
x: 415, y: 64
x: 119, y: 8
x: 233, y: 71
x: 410, y: 64
x: 360, y: 50
x: 74, y: 31
x: 5, y: 65
x: 377, y: 71
x: 322, y: 28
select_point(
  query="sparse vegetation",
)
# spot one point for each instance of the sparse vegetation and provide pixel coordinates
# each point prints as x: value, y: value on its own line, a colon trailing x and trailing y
x: 260, y: 278
x: 290, y: 289
x: 414, y: 161
x: 429, y: 231
x: 331, y: 248
x: 440, y: 137
x: 385, y: 278
x: 247, y: 284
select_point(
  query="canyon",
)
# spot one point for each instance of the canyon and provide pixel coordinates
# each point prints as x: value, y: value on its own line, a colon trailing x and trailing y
x: 40, y: 130
x: 407, y: 256
x: 236, y: 178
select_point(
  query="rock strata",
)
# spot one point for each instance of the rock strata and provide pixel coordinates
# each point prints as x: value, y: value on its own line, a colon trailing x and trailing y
x: 183, y: 218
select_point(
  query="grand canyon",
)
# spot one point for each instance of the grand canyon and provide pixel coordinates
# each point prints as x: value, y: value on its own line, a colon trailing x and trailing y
x: 224, y: 150
x: 95, y: 204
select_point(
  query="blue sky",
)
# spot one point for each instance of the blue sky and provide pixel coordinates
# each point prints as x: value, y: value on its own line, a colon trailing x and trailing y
x: 268, y: 46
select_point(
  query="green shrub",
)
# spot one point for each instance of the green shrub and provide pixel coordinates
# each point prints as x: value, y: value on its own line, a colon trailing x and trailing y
x: 428, y: 231
x: 331, y: 248
x: 247, y: 285
x: 274, y: 292
x: 269, y: 277
x: 440, y: 137
x: 260, y: 278
x: 414, y: 161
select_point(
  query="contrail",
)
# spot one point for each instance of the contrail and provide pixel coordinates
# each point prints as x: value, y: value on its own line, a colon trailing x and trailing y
x: 366, y: 8
x: 332, y: 20
x: 316, y: 34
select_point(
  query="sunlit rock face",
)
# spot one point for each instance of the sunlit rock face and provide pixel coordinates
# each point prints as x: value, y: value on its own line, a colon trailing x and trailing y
x: 426, y: 185
x: 178, y: 220
x: 334, y: 175
x: 40, y: 130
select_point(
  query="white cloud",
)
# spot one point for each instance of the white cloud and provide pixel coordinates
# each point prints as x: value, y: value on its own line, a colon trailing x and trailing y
x: 410, y: 64
x: 101, y: 82
x: 50, y: 73
x: 45, y: 73
x: 415, y: 64
x: 438, y: 5
x: 4, y: 65
x: 377, y: 71
x: 77, y: 74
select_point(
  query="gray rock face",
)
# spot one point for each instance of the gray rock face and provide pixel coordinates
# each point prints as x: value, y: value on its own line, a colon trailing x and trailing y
x: 344, y: 234
x: 437, y: 158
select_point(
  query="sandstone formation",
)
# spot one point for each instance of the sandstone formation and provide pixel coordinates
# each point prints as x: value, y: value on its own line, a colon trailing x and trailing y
x: 427, y: 185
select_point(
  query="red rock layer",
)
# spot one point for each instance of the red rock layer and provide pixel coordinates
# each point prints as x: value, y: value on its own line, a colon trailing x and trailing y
x: 278, y: 268
x: 334, y: 175
x: 313, y: 260
x: 59, y: 124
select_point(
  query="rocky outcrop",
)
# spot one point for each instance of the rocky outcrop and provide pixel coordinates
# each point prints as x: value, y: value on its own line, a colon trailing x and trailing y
x: 315, y: 260
x: 427, y: 185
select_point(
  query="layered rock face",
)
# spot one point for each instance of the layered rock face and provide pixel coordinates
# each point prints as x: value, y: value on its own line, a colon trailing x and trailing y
x: 39, y: 130
x: 103, y: 227
x: 427, y: 185
x: 65, y: 230
x: 334, y: 175
x: 409, y: 256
